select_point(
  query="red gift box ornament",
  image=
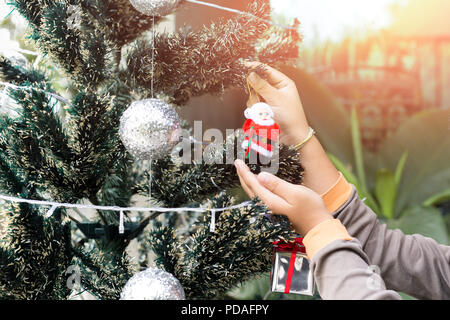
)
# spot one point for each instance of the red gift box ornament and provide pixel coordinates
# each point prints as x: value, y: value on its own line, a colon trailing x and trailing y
x: 291, y: 272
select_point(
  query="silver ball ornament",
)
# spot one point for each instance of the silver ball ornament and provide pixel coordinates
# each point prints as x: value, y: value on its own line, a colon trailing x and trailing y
x: 150, y: 129
x: 153, y: 284
x: 158, y: 8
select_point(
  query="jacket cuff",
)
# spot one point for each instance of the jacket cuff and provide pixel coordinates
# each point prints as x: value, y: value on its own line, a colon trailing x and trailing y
x: 323, y: 234
x: 338, y: 194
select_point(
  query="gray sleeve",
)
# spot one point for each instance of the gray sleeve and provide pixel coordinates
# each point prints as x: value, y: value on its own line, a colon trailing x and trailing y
x: 413, y: 264
x: 342, y: 272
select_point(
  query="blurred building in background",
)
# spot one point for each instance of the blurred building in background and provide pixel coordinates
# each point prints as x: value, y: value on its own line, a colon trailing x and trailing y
x: 392, y: 73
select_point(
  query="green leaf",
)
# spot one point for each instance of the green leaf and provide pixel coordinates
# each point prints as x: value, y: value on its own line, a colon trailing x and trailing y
x: 400, y: 168
x: 347, y: 173
x: 358, y: 150
x: 437, y: 198
x: 425, y: 136
x: 405, y: 296
x: 386, y: 192
x: 352, y: 179
x: 425, y: 221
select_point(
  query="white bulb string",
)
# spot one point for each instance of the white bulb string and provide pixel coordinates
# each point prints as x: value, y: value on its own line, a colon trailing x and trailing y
x: 121, y: 223
x: 212, y: 225
x: 55, y: 205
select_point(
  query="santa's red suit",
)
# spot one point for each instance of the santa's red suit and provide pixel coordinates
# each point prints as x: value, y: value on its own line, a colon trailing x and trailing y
x: 262, y: 137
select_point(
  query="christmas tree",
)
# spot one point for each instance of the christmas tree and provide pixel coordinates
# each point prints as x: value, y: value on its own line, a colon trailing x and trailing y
x: 70, y: 151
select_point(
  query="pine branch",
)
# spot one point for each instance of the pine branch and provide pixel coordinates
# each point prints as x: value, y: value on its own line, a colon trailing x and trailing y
x: 11, y: 179
x: 95, y: 140
x: 31, y: 9
x: 280, y: 46
x: 84, y: 52
x: 39, y: 146
x: 162, y: 241
x: 7, y: 273
x: 105, y: 272
x: 175, y: 185
x: 38, y: 116
x: 189, y: 64
x: 18, y: 75
x: 119, y: 21
x: 208, y: 264
x: 40, y: 253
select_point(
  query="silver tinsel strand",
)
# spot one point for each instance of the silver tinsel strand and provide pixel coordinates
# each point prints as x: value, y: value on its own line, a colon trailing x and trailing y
x: 153, y: 284
x: 150, y: 129
x: 158, y: 8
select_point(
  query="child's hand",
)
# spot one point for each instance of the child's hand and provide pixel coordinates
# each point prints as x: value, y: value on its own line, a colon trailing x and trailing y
x: 281, y: 94
x: 304, y: 208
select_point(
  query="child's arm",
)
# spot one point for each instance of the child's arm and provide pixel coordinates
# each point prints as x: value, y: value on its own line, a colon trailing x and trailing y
x: 413, y: 264
x: 340, y: 266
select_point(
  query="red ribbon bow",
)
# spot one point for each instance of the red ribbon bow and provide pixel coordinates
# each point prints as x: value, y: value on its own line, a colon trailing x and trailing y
x: 293, y: 247
x: 296, y: 245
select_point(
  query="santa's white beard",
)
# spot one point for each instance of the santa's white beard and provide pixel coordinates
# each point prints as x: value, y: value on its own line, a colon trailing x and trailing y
x: 268, y: 122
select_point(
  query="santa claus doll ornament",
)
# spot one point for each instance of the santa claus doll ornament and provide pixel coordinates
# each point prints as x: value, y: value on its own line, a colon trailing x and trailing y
x: 261, y: 131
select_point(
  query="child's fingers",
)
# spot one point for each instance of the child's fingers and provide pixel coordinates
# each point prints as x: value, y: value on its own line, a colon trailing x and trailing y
x: 271, y: 200
x: 278, y: 186
x: 275, y: 78
x: 247, y: 190
x: 261, y: 86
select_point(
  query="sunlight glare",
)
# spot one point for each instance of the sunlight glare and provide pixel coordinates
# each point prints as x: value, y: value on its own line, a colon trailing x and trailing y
x: 331, y: 19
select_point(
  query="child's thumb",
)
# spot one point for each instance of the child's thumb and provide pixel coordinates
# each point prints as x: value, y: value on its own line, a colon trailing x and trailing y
x: 276, y: 185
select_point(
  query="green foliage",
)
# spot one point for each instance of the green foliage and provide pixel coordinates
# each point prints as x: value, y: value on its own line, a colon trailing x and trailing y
x: 426, y: 172
x: 34, y: 268
x: 386, y: 187
x: 358, y: 151
x: 386, y: 192
x: 412, y: 174
x: 428, y: 222
x: 352, y: 178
